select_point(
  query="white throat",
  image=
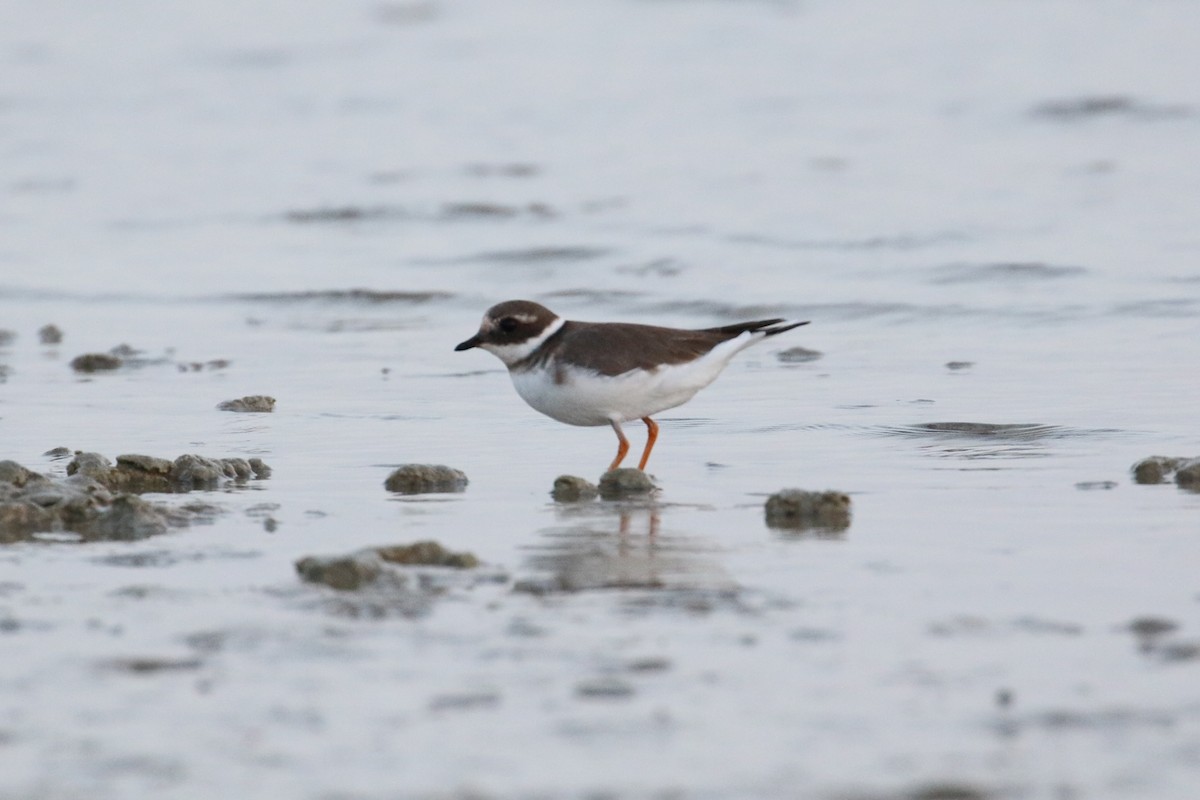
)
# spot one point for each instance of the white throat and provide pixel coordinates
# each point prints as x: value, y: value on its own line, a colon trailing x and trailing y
x: 512, y: 353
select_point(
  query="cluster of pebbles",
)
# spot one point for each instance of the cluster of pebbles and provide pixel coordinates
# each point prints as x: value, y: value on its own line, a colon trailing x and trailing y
x: 99, y: 500
x: 800, y: 510
x: 789, y: 509
x: 362, y: 567
x: 1162, y: 469
x: 616, y: 484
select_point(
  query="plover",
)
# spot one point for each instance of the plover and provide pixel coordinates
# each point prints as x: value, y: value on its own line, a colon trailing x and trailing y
x: 606, y: 373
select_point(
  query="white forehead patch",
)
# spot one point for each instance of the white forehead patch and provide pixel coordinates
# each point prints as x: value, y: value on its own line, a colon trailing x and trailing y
x: 512, y: 353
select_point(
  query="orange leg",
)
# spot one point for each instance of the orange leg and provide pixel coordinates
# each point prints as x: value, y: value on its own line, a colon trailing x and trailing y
x: 651, y: 438
x: 622, y: 448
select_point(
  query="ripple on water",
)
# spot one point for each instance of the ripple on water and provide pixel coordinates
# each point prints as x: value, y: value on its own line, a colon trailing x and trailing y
x: 715, y: 309
x: 902, y: 241
x: 982, y: 440
x: 826, y: 312
x: 1171, y: 308
x: 363, y: 296
x: 1003, y: 272
x: 1089, y: 107
x: 1018, y: 431
x: 528, y: 255
x: 591, y: 296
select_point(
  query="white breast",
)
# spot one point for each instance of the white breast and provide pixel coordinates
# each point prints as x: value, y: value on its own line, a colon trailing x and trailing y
x: 583, y: 397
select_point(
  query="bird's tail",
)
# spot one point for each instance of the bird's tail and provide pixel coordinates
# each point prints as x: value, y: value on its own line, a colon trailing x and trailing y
x: 767, y: 327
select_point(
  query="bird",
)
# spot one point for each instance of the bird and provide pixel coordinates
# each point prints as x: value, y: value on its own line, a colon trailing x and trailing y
x: 607, y: 373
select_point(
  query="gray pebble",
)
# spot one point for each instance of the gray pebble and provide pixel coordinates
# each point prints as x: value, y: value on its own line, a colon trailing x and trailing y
x: 619, y: 484
x: 573, y: 489
x: 798, y: 509
x: 425, y: 478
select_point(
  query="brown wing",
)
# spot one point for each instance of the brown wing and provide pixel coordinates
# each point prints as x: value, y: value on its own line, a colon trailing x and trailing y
x: 614, y: 348
x: 617, y: 348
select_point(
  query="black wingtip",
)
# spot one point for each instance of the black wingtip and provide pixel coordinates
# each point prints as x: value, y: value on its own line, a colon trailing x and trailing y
x: 782, y: 328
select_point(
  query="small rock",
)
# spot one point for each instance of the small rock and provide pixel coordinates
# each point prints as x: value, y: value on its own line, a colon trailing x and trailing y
x: 798, y: 509
x: 240, y: 468
x: 425, y: 478
x: 1188, y: 475
x: 260, y: 469
x: 193, y: 470
x: 798, y: 355
x: 618, y: 484
x: 130, y: 517
x: 957, y: 365
x: 19, y: 520
x: 344, y: 573
x: 149, y: 464
x: 7, y: 337
x: 57, y: 453
x: 17, y: 475
x: 1156, y: 469
x: 50, y: 334
x: 427, y: 553
x: 95, y: 362
x: 90, y: 465
x: 573, y: 489
x: 256, y: 403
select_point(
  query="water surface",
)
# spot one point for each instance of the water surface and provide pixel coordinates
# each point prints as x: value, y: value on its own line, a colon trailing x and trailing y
x: 986, y: 210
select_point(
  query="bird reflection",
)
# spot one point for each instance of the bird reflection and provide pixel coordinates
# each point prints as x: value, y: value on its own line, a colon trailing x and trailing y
x: 620, y: 547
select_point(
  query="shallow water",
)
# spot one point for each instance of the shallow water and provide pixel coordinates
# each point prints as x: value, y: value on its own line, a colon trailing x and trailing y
x: 986, y: 210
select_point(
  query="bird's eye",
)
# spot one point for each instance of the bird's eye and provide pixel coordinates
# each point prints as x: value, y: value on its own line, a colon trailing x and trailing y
x: 508, y: 324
